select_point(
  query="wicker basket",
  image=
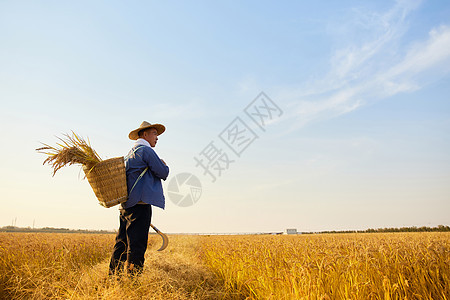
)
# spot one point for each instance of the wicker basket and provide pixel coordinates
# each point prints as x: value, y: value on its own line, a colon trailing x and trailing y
x: 109, y: 182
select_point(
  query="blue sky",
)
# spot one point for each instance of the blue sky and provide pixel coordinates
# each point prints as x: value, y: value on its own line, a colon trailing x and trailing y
x: 363, y: 141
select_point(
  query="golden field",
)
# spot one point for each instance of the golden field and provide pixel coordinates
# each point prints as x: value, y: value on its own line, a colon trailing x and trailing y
x: 320, y: 266
x: 335, y: 266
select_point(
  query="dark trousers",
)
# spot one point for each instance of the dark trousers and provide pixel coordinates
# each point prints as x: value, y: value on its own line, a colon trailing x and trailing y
x: 131, y: 240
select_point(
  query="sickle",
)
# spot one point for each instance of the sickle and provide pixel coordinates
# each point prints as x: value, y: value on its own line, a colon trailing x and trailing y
x: 164, y: 237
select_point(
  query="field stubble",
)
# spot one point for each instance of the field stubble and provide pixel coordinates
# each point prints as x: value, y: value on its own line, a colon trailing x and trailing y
x: 327, y: 266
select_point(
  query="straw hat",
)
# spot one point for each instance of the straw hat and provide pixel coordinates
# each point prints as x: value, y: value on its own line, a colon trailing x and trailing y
x: 134, y: 134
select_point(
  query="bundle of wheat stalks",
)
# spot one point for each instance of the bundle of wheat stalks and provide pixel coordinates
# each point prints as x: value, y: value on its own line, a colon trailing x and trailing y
x: 73, y: 149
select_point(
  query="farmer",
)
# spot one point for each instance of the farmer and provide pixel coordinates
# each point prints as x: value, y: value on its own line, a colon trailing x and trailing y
x: 144, y: 170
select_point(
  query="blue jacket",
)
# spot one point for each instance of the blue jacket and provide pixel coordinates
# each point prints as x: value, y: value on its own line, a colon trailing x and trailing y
x: 149, y: 188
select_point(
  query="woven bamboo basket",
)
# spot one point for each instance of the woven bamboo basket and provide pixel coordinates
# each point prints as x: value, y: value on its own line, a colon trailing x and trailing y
x: 108, y: 180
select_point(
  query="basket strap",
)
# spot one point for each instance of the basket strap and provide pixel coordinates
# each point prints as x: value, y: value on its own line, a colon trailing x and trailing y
x: 139, y: 178
x: 142, y: 173
x: 129, y: 155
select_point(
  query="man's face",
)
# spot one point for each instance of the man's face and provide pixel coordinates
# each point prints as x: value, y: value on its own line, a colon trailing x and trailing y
x: 151, y: 136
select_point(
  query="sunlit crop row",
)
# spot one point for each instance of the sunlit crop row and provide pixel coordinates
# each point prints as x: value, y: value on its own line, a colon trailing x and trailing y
x: 43, y: 265
x: 333, y: 266
x: 75, y: 266
x: 324, y: 266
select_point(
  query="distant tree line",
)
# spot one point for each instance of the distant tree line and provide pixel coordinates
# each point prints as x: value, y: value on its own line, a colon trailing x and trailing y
x: 49, y: 229
x: 439, y: 228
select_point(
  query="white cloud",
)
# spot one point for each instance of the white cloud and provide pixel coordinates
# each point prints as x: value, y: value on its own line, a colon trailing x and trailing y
x: 377, y: 68
x: 425, y: 55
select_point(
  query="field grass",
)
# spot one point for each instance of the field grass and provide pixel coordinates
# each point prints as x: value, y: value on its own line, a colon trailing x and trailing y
x: 327, y: 266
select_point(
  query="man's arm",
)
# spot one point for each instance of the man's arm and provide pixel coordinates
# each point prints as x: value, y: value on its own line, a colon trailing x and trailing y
x: 156, y: 165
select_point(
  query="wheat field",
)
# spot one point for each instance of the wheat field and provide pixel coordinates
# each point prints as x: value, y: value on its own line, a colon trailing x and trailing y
x: 320, y: 266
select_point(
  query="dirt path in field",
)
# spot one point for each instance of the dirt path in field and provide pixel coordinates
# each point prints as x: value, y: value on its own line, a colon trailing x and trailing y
x: 175, y: 273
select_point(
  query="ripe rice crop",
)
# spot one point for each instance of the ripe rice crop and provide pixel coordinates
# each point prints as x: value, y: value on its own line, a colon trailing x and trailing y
x: 75, y: 266
x: 40, y: 265
x: 72, y: 149
x: 322, y: 266
x: 334, y: 266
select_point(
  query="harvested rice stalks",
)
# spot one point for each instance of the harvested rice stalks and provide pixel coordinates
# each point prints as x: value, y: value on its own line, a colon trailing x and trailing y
x: 73, y: 150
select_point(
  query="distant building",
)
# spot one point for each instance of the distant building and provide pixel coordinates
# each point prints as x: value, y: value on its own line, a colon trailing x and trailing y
x: 291, y: 231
